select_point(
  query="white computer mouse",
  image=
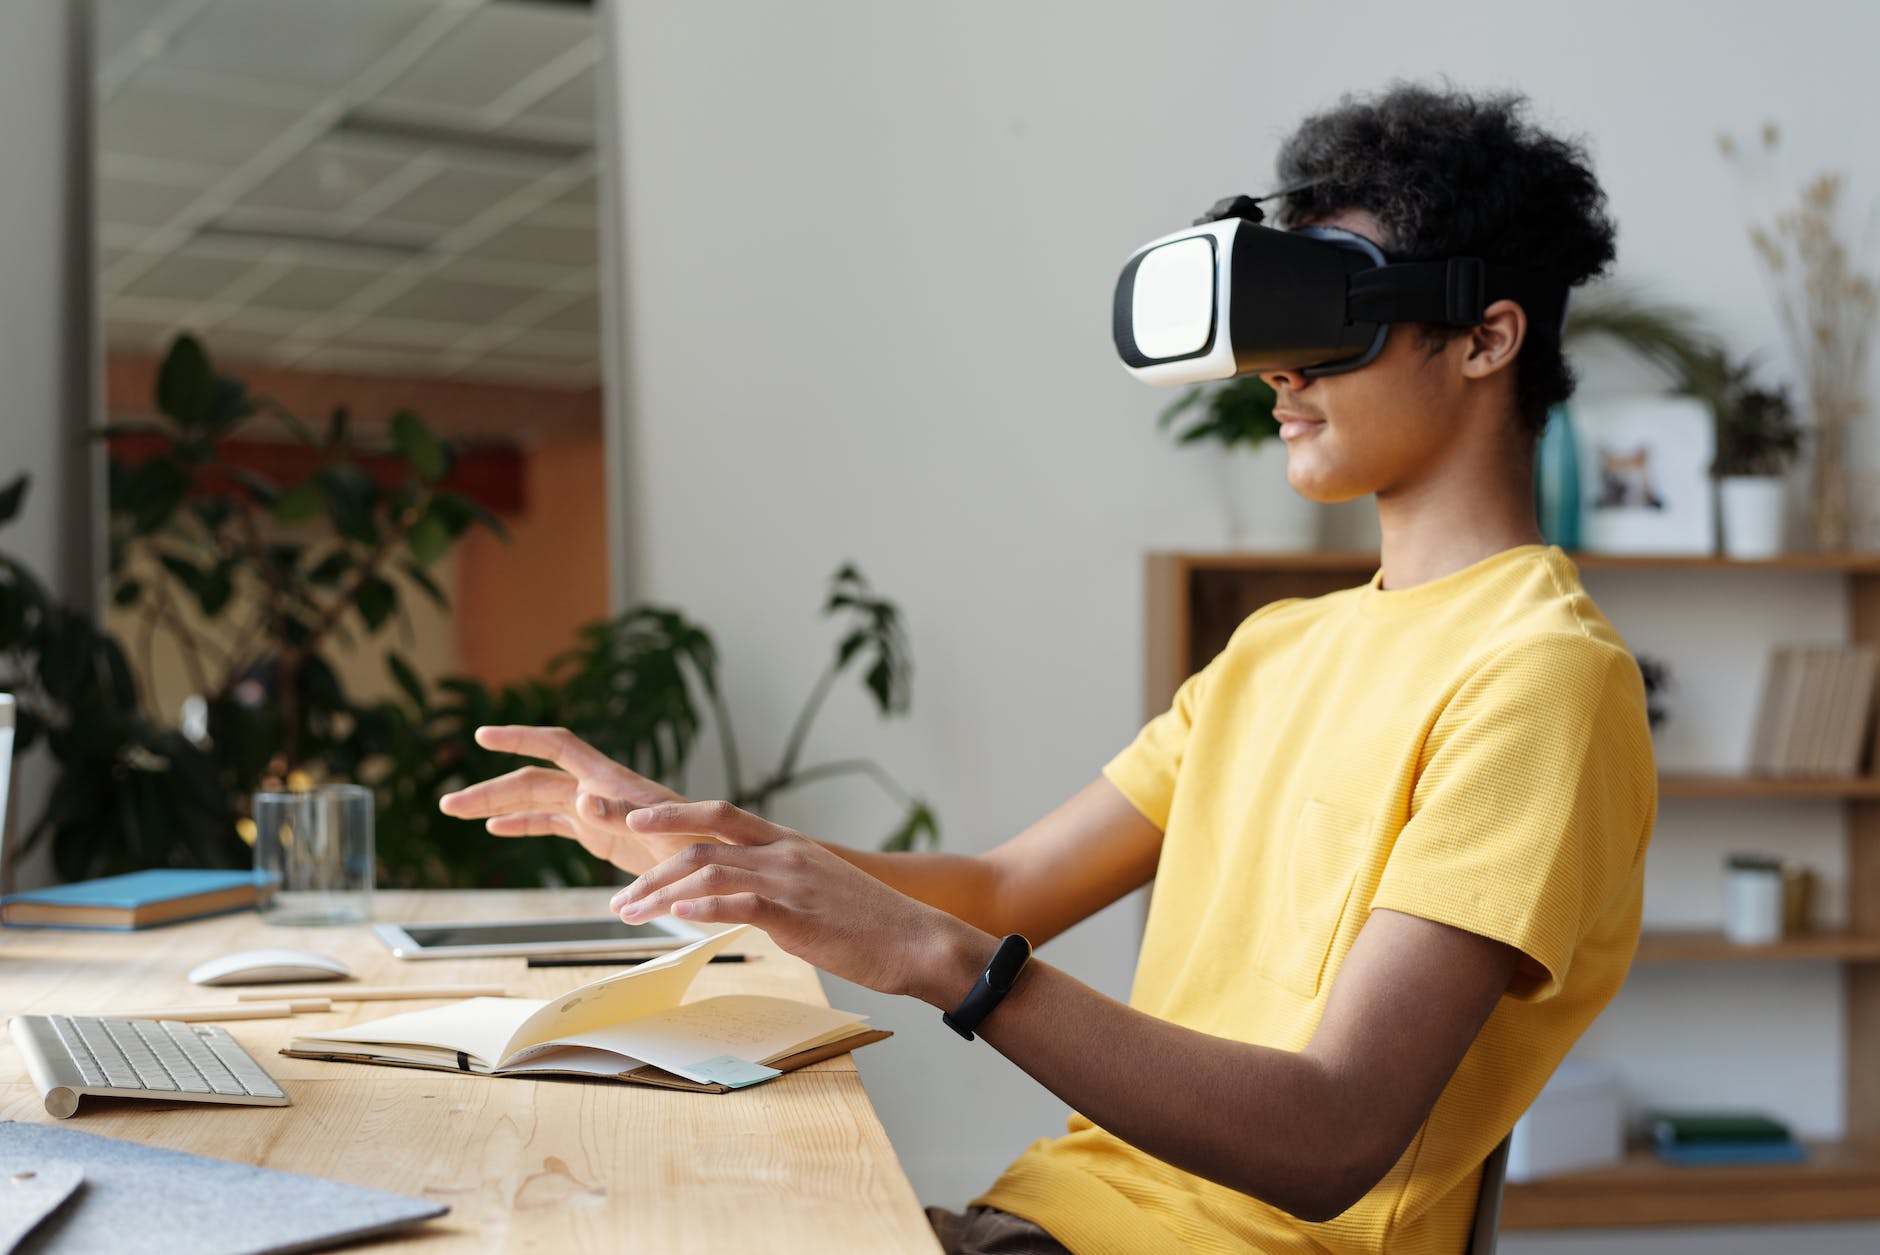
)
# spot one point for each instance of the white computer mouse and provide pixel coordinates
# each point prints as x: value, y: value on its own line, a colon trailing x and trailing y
x: 266, y: 967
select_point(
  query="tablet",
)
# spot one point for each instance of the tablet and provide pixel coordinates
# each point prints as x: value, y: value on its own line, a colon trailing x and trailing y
x: 480, y: 938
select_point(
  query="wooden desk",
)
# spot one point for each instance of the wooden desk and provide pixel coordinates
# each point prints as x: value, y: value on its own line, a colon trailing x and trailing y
x: 799, y: 1163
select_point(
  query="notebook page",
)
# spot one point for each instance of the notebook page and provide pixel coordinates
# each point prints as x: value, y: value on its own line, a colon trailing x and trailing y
x: 477, y: 1026
x: 640, y: 990
x: 747, y: 1026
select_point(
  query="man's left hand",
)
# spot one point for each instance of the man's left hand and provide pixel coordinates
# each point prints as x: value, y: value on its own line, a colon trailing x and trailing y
x: 812, y: 903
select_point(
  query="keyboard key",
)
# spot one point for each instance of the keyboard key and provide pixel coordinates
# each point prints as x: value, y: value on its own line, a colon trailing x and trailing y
x: 151, y: 1068
x: 69, y: 1056
x: 118, y: 1072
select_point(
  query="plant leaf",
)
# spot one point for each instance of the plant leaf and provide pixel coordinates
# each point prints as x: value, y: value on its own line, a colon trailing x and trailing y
x: 13, y: 496
x: 429, y: 540
x: 377, y: 600
x: 418, y: 446
x: 185, y: 383
x: 300, y: 503
x: 407, y: 679
x: 418, y: 576
x: 919, y: 828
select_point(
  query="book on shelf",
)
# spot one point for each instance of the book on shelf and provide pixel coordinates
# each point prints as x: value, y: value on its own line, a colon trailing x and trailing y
x: 1723, y: 1137
x: 631, y: 1026
x: 166, y: 895
x: 1816, y: 711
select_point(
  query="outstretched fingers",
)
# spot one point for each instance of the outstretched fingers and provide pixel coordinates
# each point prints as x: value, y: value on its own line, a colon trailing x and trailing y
x: 720, y: 821
x: 524, y: 789
x: 700, y: 871
x: 733, y: 908
x: 531, y: 824
x: 556, y: 745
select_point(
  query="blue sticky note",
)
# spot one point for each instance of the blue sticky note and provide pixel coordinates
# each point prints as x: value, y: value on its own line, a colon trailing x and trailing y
x: 731, y: 1070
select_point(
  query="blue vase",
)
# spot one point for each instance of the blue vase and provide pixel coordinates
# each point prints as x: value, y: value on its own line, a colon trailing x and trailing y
x: 1557, y: 480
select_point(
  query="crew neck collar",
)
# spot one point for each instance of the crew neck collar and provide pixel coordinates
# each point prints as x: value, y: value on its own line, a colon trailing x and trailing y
x: 1376, y: 599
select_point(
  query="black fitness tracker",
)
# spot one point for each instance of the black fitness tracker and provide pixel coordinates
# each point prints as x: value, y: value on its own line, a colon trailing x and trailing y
x: 993, y: 984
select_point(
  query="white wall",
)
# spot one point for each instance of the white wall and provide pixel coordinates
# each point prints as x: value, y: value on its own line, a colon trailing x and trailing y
x: 46, y: 337
x: 869, y: 251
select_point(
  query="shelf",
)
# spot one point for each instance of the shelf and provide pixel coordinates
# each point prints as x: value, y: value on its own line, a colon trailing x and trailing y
x: 1700, y: 946
x: 1774, y: 787
x: 1840, y: 1181
x: 1364, y: 563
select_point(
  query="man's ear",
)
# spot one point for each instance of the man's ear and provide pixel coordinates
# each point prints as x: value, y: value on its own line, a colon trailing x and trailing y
x: 1493, y: 342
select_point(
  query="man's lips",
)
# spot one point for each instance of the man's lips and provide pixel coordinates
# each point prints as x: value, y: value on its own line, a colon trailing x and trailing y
x: 1294, y: 423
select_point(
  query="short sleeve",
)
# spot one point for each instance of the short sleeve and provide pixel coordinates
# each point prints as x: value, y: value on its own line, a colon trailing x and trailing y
x: 1533, y: 803
x: 1145, y: 772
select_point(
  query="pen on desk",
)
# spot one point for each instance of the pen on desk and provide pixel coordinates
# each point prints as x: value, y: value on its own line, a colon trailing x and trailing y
x: 376, y: 993
x: 274, y: 1009
x: 626, y: 960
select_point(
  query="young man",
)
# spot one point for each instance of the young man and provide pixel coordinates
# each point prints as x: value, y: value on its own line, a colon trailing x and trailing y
x: 1397, y: 833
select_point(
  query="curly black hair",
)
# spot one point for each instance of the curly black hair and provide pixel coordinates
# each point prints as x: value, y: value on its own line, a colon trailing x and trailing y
x: 1449, y: 174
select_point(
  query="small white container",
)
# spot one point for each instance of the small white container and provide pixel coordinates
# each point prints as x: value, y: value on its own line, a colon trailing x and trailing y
x: 1750, y: 507
x: 1577, y: 1121
x: 1752, y: 901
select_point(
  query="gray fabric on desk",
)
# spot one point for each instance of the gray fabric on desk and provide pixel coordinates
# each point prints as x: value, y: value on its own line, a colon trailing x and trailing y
x: 137, y: 1199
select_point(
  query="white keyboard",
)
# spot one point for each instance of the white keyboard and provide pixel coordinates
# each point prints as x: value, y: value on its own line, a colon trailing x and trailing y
x: 73, y: 1055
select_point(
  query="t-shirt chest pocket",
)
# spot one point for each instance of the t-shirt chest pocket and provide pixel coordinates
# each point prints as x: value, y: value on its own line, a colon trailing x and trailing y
x: 1319, y: 868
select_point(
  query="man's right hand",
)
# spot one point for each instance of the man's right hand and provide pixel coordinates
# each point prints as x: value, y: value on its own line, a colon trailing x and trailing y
x: 585, y: 796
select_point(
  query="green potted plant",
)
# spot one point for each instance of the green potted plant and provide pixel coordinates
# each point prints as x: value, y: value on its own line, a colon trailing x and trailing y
x: 1758, y: 439
x: 1263, y: 512
x: 268, y: 609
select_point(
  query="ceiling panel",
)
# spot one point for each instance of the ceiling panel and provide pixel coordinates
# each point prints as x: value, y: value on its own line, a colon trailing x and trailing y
x: 314, y: 287
x: 326, y: 178
x: 137, y: 335
x: 527, y: 242
x: 452, y: 197
x: 572, y: 104
x: 582, y: 315
x: 118, y: 24
x: 139, y: 204
x: 231, y: 195
x: 523, y: 38
x: 398, y: 333
x: 553, y: 344
x: 548, y: 372
x: 456, y: 301
x: 168, y: 126
x: 233, y: 342
x: 187, y: 276
x: 322, y: 43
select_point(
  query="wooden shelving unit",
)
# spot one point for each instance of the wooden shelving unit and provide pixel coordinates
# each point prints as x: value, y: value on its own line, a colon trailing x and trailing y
x: 1711, y: 946
x: 1194, y: 602
x: 1789, y: 788
x: 1840, y: 1181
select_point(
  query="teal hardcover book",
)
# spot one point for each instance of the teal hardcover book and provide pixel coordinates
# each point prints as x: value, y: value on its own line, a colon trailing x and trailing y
x: 136, y: 900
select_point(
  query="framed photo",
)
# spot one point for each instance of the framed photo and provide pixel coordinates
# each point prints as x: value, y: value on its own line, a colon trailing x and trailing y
x: 1645, y: 475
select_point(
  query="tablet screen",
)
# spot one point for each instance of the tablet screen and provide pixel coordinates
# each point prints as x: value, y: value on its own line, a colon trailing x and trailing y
x: 534, y: 932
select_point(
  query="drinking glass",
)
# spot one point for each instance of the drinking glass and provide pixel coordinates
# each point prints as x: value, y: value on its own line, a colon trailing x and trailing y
x: 315, y: 847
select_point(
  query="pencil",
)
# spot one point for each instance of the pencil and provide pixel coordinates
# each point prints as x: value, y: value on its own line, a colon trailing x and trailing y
x: 273, y: 1009
x: 375, y: 993
x: 619, y: 960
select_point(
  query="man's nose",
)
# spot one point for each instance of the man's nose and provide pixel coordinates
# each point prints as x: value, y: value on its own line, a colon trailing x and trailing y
x: 1290, y: 380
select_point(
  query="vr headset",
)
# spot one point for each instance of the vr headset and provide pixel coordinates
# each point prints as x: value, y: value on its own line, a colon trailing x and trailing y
x: 1231, y: 297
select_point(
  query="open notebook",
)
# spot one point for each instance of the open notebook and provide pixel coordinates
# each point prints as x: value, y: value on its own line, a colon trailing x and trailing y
x: 630, y: 1026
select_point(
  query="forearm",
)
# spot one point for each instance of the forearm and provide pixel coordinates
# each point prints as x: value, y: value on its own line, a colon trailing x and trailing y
x: 964, y: 886
x: 1078, y: 859
x: 1270, y: 1123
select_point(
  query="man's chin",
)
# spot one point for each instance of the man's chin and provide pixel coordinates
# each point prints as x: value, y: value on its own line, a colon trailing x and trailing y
x: 1321, y: 488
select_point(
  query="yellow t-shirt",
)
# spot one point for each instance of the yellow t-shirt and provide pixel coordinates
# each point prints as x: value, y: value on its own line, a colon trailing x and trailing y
x: 1474, y: 751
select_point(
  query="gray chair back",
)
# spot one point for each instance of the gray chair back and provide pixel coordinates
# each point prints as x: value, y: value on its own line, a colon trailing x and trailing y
x: 1483, y: 1238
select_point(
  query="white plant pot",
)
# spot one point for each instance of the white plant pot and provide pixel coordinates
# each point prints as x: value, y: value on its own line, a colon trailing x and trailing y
x: 1751, y: 510
x: 1263, y: 512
